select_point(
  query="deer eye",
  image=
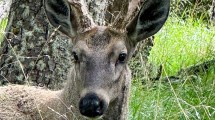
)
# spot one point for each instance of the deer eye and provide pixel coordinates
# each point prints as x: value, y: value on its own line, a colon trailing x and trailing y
x: 75, y: 56
x: 122, y: 57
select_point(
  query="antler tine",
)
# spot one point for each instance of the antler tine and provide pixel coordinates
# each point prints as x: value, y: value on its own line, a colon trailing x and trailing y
x: 121, y: 12
x: 84, y: 19
x: 116, y: 13
x: 134, y: 7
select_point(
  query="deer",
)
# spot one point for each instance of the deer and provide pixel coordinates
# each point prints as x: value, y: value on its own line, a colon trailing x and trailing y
x: 98, y: 85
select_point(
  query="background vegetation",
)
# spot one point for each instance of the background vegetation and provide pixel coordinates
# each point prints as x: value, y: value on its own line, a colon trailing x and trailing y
x: 186, y: 39
x: 192, y: 8
x: 3, y: 24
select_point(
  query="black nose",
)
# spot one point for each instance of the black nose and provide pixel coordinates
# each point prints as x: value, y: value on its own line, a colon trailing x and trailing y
x: 92, y: 106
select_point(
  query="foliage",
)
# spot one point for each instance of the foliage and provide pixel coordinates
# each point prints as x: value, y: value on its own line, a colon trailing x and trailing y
x: 3, y: 24
x: 193, y: 99
x: 181, y: 43
x: 184, y: 41
x: 192, y: 8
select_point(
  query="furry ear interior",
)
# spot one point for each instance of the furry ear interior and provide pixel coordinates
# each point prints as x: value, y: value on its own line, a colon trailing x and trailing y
x: 149, y: 20
x: 60, y: 14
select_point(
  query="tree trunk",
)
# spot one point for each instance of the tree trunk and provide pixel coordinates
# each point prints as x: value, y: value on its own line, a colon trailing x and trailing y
x: 4, y: 8
x: 212, y: 17
x: 27, y: 55
x: 140, y: 64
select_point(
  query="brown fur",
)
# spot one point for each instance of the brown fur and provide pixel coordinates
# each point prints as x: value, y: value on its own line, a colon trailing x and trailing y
x: 98, y: 67
x: 28, y: 102
x: 22, y: 102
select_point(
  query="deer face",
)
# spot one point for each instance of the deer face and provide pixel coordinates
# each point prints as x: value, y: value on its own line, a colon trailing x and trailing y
x: 100, y: 57
x: 101, y: 53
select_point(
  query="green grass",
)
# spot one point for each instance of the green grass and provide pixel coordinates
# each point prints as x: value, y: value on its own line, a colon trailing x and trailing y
x: 3, y: 24
x: 180, y: 44
x: 190, y: 100
x: 183, y: 43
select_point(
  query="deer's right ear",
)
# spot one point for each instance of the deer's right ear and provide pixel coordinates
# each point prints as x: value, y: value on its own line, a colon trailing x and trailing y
x: 60, y: 14
x: 149, y: 20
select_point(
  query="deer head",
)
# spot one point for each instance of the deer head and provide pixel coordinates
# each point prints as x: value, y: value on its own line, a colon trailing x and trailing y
x: 101, y: 53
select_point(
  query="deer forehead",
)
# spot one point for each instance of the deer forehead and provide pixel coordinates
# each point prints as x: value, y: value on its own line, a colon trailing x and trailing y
x: 100, y: 40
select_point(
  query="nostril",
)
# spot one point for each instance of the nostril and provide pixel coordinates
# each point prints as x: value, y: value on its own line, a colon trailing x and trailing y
x: 92, y: 106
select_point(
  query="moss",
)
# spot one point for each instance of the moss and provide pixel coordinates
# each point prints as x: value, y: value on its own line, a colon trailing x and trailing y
x: 31, y: 45
x: 28, y: 33
x: 15, y: 48
x: 19, y: 23
x: 41, y: 65
x: 33, y: 22
x: 32, y: 64
x: 37, y: 29
x: 21, y: 59
x: 20, y: 78
x: 46, y: 50
x: 33, y: 32
x: 26, y: 11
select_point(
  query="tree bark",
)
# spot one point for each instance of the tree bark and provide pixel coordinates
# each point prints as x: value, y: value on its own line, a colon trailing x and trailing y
x: 27, y: 55
x: 140, y: 59
x: 4, y: 8
x: 212, y: 17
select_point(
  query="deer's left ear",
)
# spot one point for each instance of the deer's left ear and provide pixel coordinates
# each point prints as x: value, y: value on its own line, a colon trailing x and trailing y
x: 149, y: 20
x: 60, y: 14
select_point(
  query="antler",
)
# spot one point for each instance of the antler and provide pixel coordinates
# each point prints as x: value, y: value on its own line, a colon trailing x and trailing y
x: 133, y: 9
x: 117, y: 13
x: 118, y: 9
x: 124, y: 11
x: 81, y: 12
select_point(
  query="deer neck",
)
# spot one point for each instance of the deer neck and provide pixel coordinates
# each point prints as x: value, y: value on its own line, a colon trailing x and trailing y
x: 117, y: 109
